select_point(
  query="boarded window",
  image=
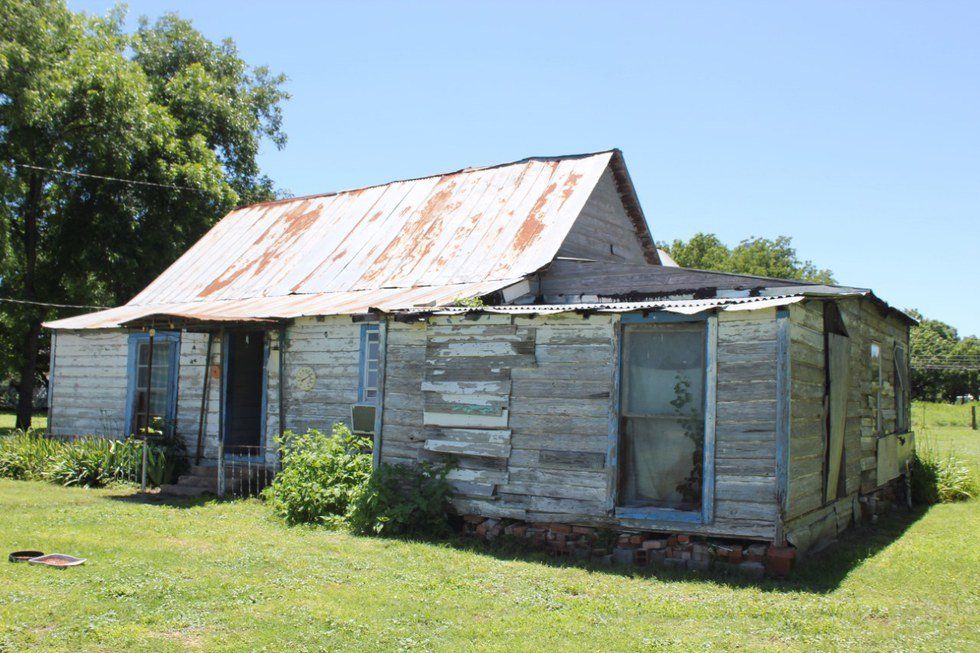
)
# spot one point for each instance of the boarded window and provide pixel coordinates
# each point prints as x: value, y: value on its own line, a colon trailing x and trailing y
x: 837, y: 373
x: 662, y: 416
x: 901, y: 390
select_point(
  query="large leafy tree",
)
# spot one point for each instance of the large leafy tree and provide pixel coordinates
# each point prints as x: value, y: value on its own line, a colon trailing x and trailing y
x: 164, y: 106
x: 757, y: 256
x: 944, y: 365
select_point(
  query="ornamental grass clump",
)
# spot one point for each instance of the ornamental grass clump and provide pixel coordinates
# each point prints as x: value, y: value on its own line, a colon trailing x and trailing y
x: 320, y: 473
x: 941, y: 478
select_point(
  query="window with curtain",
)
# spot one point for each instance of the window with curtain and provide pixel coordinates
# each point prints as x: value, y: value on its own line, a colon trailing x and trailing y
x: 662, y: 430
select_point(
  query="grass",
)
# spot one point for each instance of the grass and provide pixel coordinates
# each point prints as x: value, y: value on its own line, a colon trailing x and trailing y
x: 946, y: 428
x: 8, y: 420
x: 210, y: 575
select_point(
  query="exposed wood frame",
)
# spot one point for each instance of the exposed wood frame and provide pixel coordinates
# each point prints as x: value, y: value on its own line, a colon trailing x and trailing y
x: 379, y: 410
x: 783, y: 385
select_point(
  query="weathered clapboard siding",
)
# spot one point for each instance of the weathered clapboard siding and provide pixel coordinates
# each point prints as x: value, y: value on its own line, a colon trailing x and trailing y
x: 745, y: 426
x: 603, y: 230
x: 809, y: 517
x: 403, y: 437
x: 88, y: 383
x: 560, y: 411
x: 807, y: 430
x: 331, y: 348
x: 190, y: 386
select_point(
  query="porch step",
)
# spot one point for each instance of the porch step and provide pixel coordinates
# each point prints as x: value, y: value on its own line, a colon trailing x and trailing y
x: 203, y: 479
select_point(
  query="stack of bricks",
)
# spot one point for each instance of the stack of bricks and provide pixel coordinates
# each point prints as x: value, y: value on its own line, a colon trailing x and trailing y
x: 676, y: 551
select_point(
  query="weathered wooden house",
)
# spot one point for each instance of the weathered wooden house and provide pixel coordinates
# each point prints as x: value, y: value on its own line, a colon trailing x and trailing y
x: 590, y: 385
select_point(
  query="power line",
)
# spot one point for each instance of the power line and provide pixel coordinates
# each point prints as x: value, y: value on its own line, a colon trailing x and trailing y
x: 49, y: 304
x: 104, y: 178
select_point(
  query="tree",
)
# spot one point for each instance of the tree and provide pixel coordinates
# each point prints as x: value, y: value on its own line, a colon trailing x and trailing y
x: 163, y: 106
x: 944, y: 366
x: 756, y: 256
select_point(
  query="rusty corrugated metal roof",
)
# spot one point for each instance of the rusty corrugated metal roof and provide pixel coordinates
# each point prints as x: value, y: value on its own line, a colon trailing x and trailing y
x: 288, y: 306
x: 470, y: 226
x: 478, y: 228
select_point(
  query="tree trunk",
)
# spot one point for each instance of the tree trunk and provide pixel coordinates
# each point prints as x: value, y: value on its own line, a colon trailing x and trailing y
x: 25, y: 388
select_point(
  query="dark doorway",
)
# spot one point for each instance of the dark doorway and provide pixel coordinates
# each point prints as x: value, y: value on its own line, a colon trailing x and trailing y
x: 243, y: 393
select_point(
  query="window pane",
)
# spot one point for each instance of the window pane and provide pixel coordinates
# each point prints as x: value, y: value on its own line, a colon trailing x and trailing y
x: 662, y: 430
x: 665, y: 369
x: 663, y: 463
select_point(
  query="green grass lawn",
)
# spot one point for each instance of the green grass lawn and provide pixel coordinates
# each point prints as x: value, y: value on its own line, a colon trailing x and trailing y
x: 213, y: 575
x: 946, y: 428
x: 7, y: 421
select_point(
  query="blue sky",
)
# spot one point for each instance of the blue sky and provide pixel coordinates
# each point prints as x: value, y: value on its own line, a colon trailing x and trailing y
x: 853, y: 127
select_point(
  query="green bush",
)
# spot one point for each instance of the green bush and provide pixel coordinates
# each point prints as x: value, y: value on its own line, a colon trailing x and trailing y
x: 941, y: 478
x: 402, y: 500
x: 319, y: 475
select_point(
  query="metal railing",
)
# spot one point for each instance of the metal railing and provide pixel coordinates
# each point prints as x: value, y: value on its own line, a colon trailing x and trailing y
x: 245, y: 470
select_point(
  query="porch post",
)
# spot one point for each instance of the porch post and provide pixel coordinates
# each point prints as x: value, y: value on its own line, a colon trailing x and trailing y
x: 204, y: 399
x: 221, y: 414
x: 149, y: 385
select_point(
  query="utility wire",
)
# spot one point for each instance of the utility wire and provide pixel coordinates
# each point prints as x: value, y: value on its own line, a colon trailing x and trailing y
x: 49, y: 304
x: 116, y: 179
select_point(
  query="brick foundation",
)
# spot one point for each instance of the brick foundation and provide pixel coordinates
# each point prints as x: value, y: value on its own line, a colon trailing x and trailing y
x: 676, y: 551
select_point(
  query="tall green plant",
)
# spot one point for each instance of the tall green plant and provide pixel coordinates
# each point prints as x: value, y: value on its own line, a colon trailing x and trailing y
x: 403, y: 500
x: 319, y: 475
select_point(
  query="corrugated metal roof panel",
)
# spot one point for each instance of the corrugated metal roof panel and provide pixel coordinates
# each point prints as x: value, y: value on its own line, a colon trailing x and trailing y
x: 472, y: 226
x: 284, y: 307
x: 685, y: 306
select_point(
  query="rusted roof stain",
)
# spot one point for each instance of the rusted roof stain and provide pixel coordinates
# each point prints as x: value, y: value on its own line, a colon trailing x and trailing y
x: 474, y: 230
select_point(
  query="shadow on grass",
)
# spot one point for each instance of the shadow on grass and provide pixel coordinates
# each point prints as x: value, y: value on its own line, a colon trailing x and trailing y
x: 819, y: 573
x: 170, y: 501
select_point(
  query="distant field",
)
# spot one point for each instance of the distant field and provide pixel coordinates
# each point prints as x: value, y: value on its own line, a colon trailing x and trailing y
x: 946, y: 428
x: 7, y: 421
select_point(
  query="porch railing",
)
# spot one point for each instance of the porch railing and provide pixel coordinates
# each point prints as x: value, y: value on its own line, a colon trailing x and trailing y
x: 245, y: 470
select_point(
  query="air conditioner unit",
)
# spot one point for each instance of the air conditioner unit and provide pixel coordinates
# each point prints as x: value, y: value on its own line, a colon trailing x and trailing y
x: 362, y: 418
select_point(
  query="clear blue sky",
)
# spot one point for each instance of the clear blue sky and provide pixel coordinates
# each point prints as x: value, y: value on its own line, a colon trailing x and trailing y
x: 853, y: 127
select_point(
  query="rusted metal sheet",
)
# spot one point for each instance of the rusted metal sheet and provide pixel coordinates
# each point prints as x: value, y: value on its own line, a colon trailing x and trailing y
x: 470, y: 226
x: 289, y: 306
x: 404, y: 244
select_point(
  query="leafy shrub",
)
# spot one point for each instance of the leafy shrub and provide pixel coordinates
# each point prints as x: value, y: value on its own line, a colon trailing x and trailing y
x: 941, y: 478
x: 319, y: 474
x: 402, y: 500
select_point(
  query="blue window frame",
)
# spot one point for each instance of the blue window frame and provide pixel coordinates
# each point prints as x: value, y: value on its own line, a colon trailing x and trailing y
x: 369, y: 368
x: 162, y: 396
x: 664, y: 443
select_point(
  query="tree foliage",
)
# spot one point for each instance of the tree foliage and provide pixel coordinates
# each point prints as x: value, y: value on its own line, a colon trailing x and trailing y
x: 936, y: 345
x: 761, y: 257
x: 163, y: 105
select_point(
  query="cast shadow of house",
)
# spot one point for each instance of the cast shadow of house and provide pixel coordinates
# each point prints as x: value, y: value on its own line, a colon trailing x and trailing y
x: 819, y: 573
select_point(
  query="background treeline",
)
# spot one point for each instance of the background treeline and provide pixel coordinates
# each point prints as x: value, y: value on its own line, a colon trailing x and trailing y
x: 944, y: 365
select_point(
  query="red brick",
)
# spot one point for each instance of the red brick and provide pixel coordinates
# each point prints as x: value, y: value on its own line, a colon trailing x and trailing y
x: 583, y: 530
x: 561, y: 528
x: 683, y: 539
x: 780, y: 559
